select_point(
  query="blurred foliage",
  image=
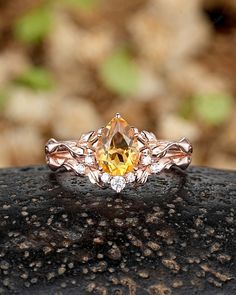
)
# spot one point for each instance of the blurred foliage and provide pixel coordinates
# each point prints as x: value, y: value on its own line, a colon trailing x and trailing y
x: 119, y: 72
x: 34, y: 25
x: 83, y: 4
x: 186, y: 109
x: 213, y: 109
x: 3, y: 99
x: 36, y: 78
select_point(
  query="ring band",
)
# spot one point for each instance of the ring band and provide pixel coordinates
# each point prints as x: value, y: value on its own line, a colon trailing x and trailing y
x: 117, y: 155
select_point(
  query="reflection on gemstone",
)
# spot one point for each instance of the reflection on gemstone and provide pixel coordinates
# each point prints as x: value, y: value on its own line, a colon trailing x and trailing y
x: 117, y: 149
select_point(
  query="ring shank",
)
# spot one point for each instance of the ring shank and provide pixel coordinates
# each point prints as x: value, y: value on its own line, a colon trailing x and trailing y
x: 69, y: 154
x: 62, y: 154
x: 173, y: 153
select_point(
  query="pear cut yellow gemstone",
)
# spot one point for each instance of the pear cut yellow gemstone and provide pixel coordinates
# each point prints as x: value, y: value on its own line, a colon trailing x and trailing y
x: 117, y: 149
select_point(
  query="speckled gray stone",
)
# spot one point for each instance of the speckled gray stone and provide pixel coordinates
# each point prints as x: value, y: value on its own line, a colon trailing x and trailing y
x: 61, y: 235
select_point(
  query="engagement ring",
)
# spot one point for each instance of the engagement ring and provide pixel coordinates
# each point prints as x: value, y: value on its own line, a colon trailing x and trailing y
x: 117, y: 155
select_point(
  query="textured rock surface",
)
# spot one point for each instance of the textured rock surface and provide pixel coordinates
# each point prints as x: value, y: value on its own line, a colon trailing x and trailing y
x: 61, y: 235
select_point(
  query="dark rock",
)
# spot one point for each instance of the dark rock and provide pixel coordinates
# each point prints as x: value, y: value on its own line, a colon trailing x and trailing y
x: 59, y: 234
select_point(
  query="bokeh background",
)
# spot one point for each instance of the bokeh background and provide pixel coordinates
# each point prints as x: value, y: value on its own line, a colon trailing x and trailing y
x: 168, y: 66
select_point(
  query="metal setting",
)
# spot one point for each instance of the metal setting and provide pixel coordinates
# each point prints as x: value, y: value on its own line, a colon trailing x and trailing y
x: 155, y: 156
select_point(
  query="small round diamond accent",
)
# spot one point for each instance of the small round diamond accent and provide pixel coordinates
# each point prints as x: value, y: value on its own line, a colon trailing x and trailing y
x: 146, y: 160
x: 155, y: 168
x: 80, y: 168
x: 118, y: 183
x: 89, y: 160
x: 105, y: 177
x: 130, y: 177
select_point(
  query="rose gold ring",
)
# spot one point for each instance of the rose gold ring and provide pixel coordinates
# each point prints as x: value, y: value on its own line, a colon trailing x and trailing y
x: 118, y: 155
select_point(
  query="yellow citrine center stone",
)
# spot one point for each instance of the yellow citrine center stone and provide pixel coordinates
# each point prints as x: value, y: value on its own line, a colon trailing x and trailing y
x: 117, y: 149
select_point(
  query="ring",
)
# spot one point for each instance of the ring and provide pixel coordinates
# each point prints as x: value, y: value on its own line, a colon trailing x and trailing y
x: 118, y: 155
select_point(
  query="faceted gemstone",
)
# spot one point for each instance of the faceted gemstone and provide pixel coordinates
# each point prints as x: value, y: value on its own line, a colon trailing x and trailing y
x: 105, y: 177
x: 80, y: 168
x: 89, y: 160
x: 118, y: 183
x: 130, y: 177
x: 146, y: 160
x: 155, y: 168
x: 117, y: 149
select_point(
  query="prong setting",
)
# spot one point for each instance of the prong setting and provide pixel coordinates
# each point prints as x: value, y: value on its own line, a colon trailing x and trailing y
x: 118, y: 115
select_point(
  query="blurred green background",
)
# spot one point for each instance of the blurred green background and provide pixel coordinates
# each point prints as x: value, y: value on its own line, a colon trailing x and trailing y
x: 168, y: 66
